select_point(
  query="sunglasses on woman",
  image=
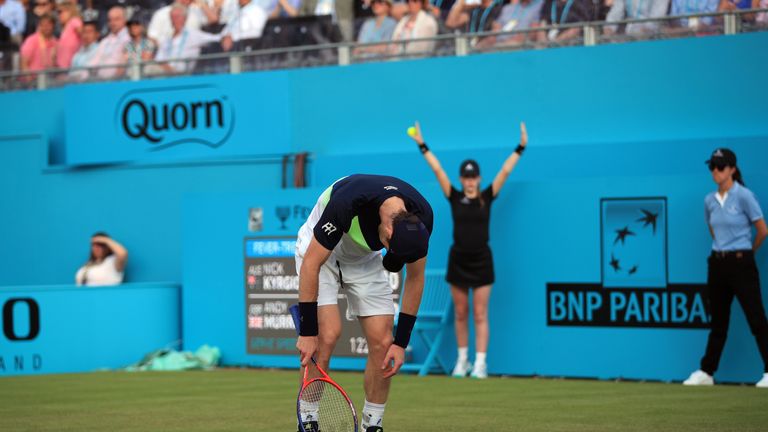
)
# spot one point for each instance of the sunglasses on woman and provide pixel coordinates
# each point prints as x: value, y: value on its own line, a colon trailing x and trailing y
x: 717, y: 166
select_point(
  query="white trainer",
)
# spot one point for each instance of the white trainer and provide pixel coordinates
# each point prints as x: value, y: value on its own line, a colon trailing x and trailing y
x: 480, y: 371
x: 763, y: 383
x: 700, y: 378
x: 462, y: 369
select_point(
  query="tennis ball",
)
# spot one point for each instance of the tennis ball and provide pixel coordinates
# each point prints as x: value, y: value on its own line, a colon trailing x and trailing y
x: 412, y: 131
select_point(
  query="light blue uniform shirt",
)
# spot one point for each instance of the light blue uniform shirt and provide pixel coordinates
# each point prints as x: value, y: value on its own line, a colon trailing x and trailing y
x: 732, y: 221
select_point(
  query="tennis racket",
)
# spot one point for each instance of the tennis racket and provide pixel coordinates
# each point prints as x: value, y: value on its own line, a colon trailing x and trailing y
x: 322, y: 405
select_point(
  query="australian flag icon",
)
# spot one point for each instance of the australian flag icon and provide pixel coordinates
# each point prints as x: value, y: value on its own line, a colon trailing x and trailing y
x: 634, y: 242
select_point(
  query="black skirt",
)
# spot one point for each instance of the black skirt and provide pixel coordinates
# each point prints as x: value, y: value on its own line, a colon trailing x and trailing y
x: 470, y: 269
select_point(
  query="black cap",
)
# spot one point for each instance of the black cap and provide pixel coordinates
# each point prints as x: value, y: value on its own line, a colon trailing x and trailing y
x: 722, y: 157
x: 469, y: 168
x: 409, y: 243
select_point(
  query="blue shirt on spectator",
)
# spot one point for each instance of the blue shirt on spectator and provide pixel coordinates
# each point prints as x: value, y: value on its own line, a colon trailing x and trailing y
x: 688, y: 7
x: 369, y: 33
x: 731, y: 221
x: 13, y: 16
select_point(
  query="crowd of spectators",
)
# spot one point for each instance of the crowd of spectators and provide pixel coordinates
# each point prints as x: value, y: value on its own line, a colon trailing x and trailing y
x: 66, y: 34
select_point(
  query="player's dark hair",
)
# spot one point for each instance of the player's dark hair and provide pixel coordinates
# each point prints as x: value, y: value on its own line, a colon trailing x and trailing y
x: 401, y: 216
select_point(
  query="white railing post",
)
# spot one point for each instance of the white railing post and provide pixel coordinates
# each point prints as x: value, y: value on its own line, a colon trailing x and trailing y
x: 590, y: 35
x: 42, y: 80
x: 134, y: 71
x: 235, y: 64
x: 462, y: 45
x: 730, y: 24
x: 345, y: 55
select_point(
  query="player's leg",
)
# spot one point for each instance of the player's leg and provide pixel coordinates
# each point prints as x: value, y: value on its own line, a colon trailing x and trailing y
x: 480, y: 298
x: 461, y: 325
x: 378, y: 332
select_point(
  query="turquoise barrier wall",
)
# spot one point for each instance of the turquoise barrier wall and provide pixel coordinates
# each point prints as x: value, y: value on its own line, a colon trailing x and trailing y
x: 623, y: 121
x: 65, y: 328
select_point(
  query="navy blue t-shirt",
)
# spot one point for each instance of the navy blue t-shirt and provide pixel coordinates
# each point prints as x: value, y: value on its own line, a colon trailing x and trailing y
x: 353, y: 208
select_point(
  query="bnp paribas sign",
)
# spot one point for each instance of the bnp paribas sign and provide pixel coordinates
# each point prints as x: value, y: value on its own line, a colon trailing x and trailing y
x: 634, y: 291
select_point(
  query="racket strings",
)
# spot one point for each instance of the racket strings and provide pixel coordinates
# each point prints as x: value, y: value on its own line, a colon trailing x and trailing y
x: 322, y: 402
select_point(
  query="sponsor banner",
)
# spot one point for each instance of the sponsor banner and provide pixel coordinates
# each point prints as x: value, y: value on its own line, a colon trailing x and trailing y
x: 272, y: 286
x: 634, y: 291
x: 181, y: 119
x: 57, y: 329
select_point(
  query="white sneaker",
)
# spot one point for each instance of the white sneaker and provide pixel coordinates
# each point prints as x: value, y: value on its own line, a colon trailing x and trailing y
x: 763, y: 383
x: 462, y: 369
x: 700, y: 377
x: 480, y: 371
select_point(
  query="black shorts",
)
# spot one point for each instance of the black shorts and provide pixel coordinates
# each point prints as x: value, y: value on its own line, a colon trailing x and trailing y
x: 470, y: 269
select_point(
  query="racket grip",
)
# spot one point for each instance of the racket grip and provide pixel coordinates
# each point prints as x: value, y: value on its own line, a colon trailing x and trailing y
x: 295, y: 314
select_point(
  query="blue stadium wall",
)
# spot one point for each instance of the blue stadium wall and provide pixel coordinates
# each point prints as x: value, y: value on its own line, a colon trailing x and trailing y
x: 608, y: 125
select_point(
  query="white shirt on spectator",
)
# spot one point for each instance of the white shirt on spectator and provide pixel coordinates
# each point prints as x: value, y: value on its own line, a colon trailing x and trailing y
x: 12, y: 15
x: 185, y: 45
x: 161, y: 28
x: 110, y: 52
x: 228, y: 10
x: 103, y: 273
x: 638, y: 9
x: 247, y: 24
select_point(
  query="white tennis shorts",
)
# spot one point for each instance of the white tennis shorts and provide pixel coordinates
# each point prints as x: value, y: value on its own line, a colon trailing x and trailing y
x: 351, y: 271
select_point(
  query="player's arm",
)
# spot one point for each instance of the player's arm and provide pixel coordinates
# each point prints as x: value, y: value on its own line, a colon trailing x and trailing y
x: 309, y: 275
x: 511, y: 161
x: 442, y: 177
x: 762, y: 233
x: 414, y: 288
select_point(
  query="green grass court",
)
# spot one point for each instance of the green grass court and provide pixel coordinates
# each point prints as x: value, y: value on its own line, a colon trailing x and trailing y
x: 264, y: 400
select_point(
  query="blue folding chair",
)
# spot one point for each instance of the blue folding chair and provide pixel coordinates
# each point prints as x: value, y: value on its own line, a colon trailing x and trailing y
x: 435, y: 315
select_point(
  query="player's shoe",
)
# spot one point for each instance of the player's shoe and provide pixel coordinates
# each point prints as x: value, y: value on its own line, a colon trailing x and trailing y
x: 480, y: 371
x: 462, y: 369
x: 763, y: 383
x: 700, y: 378
x: 310, y: 426
x: 374, y: 429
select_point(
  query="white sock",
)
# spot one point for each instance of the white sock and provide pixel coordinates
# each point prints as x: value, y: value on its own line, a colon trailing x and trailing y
x: 480, y: 358
x: 373, y: 414
x: 462, y: 355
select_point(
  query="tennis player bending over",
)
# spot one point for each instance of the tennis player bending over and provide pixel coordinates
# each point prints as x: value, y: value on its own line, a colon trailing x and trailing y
x: 340, y: 246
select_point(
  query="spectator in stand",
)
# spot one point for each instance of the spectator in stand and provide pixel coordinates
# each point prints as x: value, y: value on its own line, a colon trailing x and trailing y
x: 518, y: 15
x: 37, y: 10
x: 82, y: 58
x: 199, y: 14
x: 39, y: 49
x: 418, y: 23
x: 72, y: 27
x: 139, y: 48
x: 342, y: 12
x: 13, y: 16
x: 558, y: 12
x: 762, y: 17
x: 184, y: 44
x: 105, y: 265
x: 687, y: 7
x: 287, y: 8
x: 225, y: 10
x: 637, y: 9
x: 112, y: 47
x: 376, y: 29
x: 248, y: 23
x: 474, y: 17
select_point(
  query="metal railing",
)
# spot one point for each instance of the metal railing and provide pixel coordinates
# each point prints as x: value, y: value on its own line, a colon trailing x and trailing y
x: 453, y: 44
